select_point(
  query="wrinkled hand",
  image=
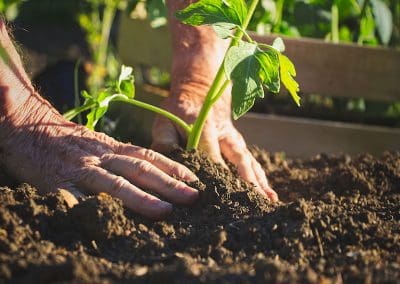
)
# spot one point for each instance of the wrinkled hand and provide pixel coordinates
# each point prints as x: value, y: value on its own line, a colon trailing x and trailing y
x: 37, y: 145
x: 53, y: 154
x: 219, y: 136
x: 197, y: 55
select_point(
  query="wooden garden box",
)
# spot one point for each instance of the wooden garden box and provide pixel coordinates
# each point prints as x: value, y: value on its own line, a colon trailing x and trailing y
x: 323, y: 68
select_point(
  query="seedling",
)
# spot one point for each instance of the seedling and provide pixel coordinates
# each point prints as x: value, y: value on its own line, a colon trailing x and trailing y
x: 249, y: 65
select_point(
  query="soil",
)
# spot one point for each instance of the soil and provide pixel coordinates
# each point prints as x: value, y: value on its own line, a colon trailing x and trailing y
x: 338, y: 221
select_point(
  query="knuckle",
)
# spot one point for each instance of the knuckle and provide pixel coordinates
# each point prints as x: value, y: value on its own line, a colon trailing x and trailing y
x: 126, y: 148
x: 149, y: 155
x: 88, y: 161
x: 172, y: 184
x: 180, y: 171
x: 117, y: 185
x: 106, y: 158
x: 149, y: 201
x: 243, y: 159
x: 140, y: 167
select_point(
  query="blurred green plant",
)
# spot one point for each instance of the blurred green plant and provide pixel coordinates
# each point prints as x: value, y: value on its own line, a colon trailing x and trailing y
x: 96, y: 18
x: 363, y: 21
x: 9, y: 8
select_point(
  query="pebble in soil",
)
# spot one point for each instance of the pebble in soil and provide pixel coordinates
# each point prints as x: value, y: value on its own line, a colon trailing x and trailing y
x: 339, y: 221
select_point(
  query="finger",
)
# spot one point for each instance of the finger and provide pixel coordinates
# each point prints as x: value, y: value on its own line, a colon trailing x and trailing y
x: 262, y: 180
x: 235, y: 150
x: 165, y: 135
x: 99, y: 180
x: 168, y: 166
x: 209, y: 144
x: 145, y: 175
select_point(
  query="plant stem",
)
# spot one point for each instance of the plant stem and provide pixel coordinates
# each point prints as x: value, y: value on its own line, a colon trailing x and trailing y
x: 279, y: 12
x: 100, y: 58
x: 218, y: 85
x: 76, y: 88
x: 74, y: 112
x: 362, y: 15
x: 335, y: 23
x: 186, y: 127
x: 108, y: 17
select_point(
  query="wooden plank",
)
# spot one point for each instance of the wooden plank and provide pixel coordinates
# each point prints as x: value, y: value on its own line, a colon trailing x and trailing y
x: 344, y: 70
x: 299, y: 137
x: 138, y: 43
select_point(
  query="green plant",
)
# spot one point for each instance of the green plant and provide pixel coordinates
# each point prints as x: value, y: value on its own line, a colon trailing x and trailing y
x: 96, y: 18
x: 369, y: 22
x: 249, y: 65
x: 9, y: 8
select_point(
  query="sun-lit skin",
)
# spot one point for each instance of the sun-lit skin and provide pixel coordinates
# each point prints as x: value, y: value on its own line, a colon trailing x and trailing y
x: 37, y: 145
x: 197, y: 55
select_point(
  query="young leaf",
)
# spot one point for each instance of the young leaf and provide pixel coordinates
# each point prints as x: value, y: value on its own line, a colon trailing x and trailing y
x: 287, y: 70
x: 125, y: 74
x: 383, y: 20
x: 249, y: 68
x: 269, y: 70
x: 125, y: 84
x: 223, y: 30
x: 86, y: 95
x: 210, y: 12
x: 278, y: 44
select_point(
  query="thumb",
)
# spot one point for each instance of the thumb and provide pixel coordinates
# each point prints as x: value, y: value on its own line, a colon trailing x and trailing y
x: 209, y: 144
x: 165, y: 135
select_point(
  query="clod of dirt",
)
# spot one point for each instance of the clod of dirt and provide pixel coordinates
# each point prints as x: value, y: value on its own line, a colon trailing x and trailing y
x: 99, y: 217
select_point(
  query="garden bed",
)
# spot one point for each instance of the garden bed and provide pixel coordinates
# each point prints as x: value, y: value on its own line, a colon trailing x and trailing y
x: 339, y: 220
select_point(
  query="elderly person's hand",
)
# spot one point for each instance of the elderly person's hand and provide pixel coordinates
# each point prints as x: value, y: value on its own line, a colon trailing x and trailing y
x: 197, y: 56
x: 39, y: 146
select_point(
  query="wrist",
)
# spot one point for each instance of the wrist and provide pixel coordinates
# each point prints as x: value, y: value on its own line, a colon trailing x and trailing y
x: 26, y: 113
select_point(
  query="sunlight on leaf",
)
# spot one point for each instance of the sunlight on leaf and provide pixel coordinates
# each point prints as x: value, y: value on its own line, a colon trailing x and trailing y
x: 224, y: 15
x: 249, y: 68
x: 287, y: 72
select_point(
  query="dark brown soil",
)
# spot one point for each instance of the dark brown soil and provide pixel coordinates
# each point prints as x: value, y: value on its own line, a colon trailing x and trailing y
x: 339, y: 222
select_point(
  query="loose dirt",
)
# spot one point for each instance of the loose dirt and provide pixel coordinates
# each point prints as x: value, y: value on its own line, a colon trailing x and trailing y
x: 338, y: 221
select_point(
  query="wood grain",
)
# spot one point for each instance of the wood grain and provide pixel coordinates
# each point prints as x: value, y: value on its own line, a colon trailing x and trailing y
x: 300, y: 137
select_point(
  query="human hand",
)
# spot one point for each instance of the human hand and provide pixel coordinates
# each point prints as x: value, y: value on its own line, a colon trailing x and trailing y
x: 219, y: 136
x: 197, y: 55
x: 37, y: 145
x: 42, y: 148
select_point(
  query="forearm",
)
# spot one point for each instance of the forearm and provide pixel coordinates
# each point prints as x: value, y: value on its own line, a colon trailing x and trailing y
x: 197, y: 51
x: 15, y: 86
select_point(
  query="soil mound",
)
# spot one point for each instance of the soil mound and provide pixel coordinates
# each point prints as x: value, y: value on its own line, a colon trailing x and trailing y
x: 338, y: 221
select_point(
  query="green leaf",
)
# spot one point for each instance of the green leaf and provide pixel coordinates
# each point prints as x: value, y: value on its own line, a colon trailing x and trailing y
x: 126, y: 73
x: 86, y: 95
x: 269, y: 70
x: 278, y: 44
x: 125, y: 84
x: 128, y: 89
x: 94, y: 116
x: 223, y: 30
x: 287, y: 72
x: 210, y: 12
x: 157, y: 13
x: 249, y: 68
x: 383, y: 20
